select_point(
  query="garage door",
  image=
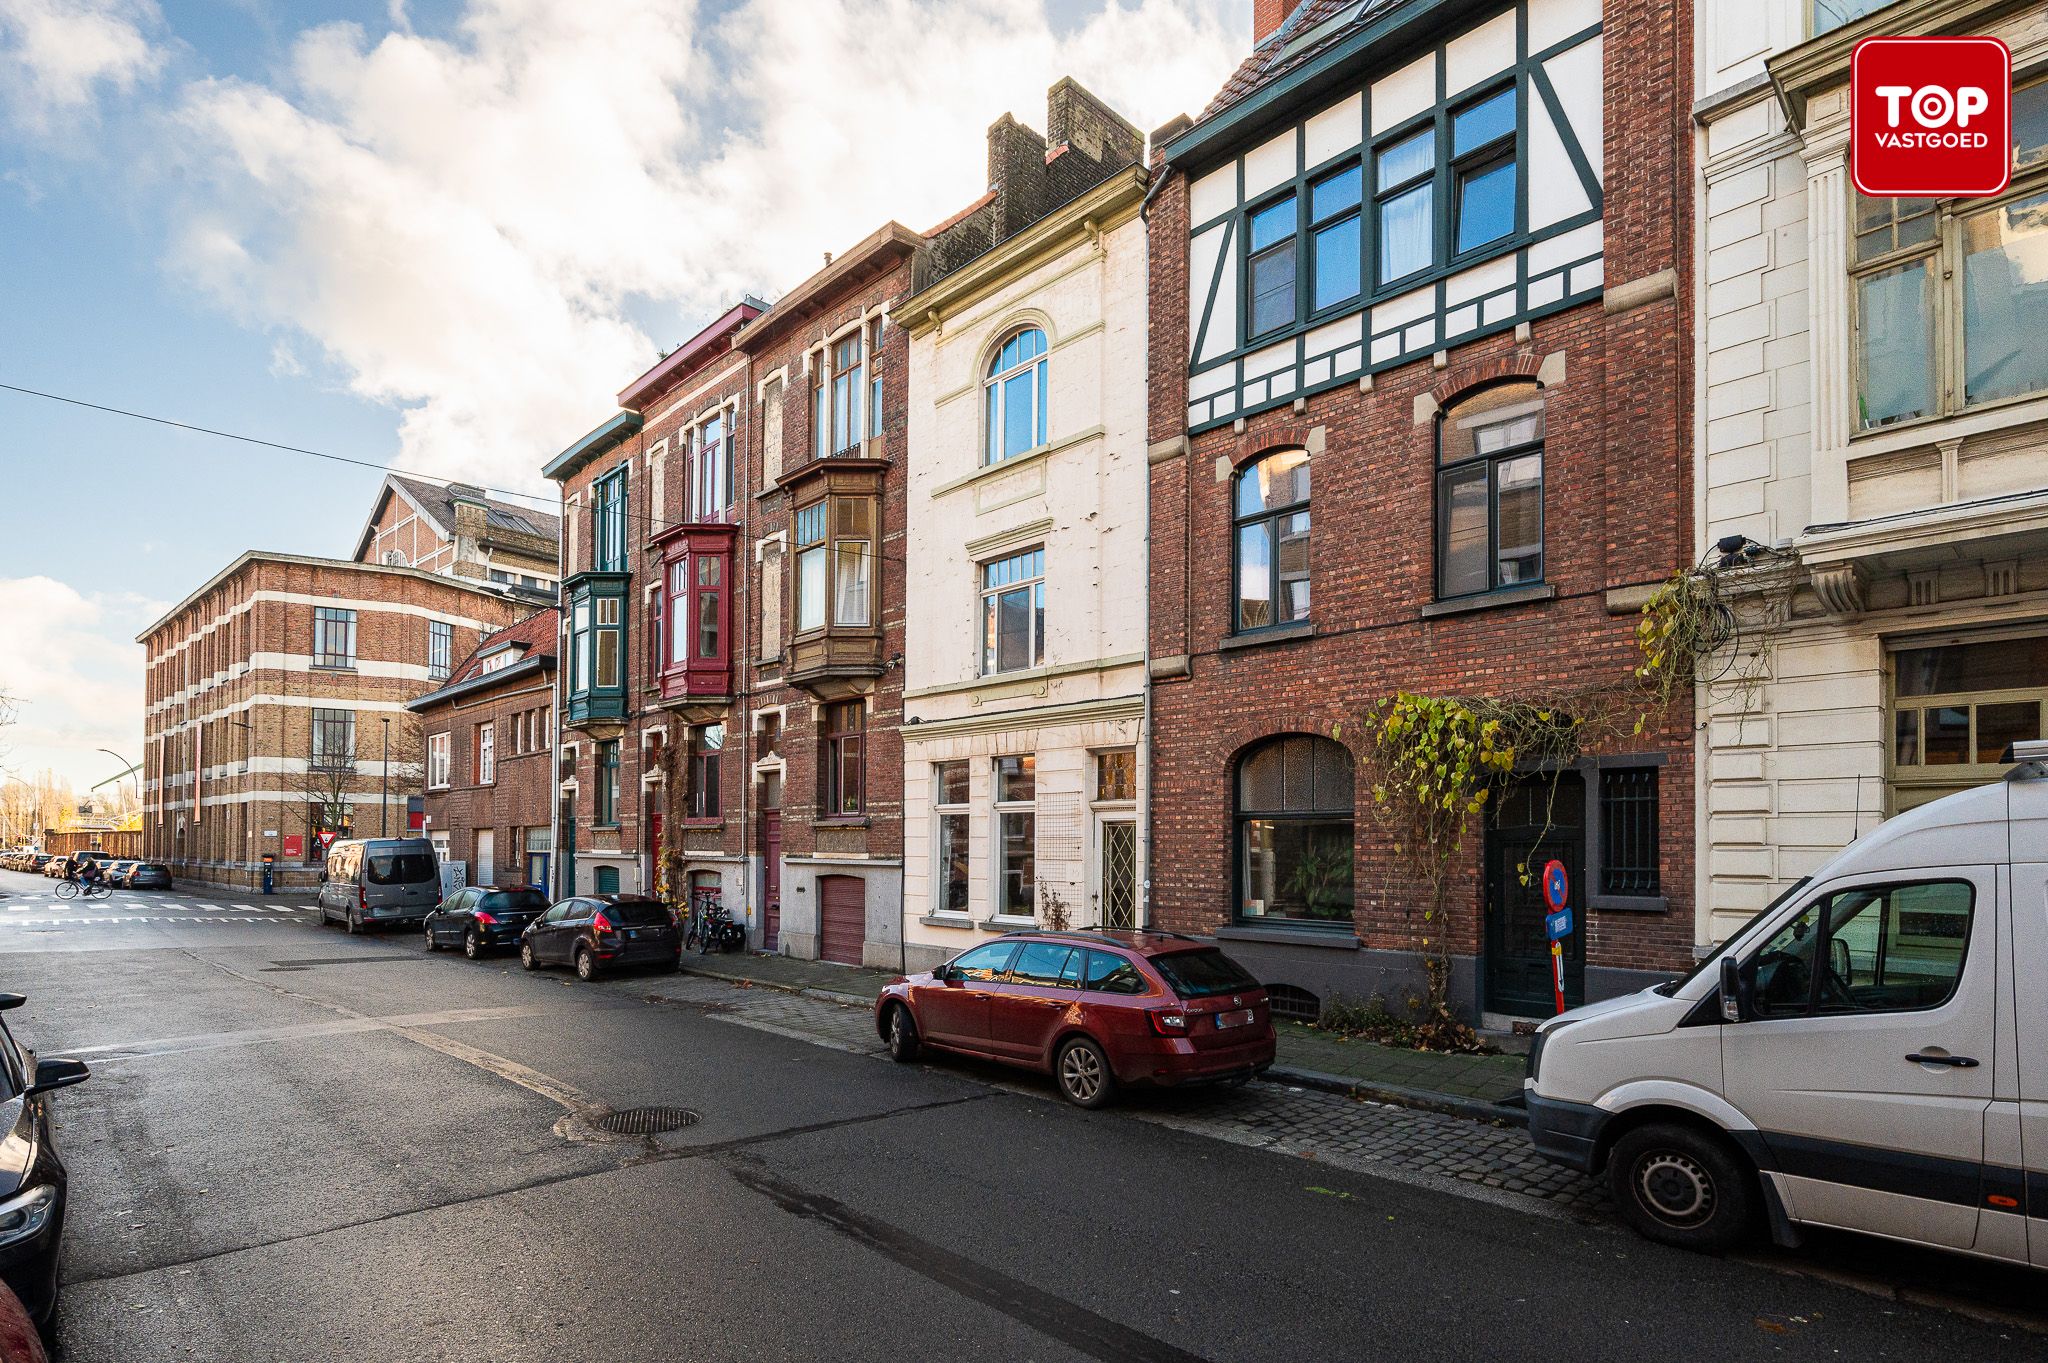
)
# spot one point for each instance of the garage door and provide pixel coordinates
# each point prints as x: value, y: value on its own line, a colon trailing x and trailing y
x: 842, y: 918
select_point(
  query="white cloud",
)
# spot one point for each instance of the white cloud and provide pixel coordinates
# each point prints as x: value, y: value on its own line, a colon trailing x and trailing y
x: 56, y: 56
x: 75, y: 680
x: 460, y: 224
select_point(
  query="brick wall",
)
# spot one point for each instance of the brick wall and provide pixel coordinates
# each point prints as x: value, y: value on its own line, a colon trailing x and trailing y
x: 1617, y: 501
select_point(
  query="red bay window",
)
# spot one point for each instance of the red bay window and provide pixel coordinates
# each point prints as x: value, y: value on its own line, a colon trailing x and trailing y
x: 696, y: 626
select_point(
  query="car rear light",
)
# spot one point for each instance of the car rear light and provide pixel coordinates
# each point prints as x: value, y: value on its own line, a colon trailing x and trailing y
x: 1169, y: 1023
x: 363, y: 898
x: 602, y: 923
x: 488, y: 920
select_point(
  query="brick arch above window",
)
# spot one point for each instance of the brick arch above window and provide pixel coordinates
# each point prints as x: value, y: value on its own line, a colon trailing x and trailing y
x: 1255, y: 445
x: 1463, y: 379
x: 1240, y: 739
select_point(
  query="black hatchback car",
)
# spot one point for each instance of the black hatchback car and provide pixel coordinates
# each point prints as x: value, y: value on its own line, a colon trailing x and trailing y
x: 32, y: 1178
x: 596, y: 933
x: 483, y: 917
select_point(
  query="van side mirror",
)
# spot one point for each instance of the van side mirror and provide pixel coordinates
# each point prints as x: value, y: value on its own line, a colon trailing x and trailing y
x: 1736, y: 1002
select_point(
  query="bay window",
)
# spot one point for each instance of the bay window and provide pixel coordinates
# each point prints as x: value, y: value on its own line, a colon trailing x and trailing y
x: 696, y: 652
x: 596, y: 666
x: 835, y: 563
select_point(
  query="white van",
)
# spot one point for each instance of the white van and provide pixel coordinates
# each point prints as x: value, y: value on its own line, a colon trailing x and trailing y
x: 1870, y: 1052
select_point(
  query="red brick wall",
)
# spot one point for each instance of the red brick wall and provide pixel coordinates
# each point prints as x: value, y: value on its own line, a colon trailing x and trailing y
x: 523, y: 794
x: 1617, y: 502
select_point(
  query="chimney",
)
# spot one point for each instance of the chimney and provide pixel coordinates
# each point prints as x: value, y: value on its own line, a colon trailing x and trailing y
x: 1268, y: 15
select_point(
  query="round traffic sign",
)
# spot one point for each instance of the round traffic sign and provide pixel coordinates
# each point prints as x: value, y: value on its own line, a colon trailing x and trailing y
x: 1557, y: 886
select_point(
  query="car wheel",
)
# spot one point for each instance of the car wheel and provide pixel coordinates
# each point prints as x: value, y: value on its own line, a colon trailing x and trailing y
x: 1680, y: 1186
x: 527, y: 958
x: 471, y: 947
x: 1083, y: 1073
x: 586, y: 964
x: 355, y: 923
x: 902, y: 1035
x: 432, y: 945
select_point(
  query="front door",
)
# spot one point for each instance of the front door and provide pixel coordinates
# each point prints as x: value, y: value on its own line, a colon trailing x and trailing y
x: 771, y: 880
x: 1531, y: 827
x: 1868, y: 1066
x: 1116, y: 871
x: 486, y: 856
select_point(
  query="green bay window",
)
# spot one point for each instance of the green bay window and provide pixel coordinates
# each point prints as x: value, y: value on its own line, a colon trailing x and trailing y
x: 596, y: 669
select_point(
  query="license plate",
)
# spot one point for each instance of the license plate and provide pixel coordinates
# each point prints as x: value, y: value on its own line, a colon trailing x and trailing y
x: 1224, y: 1020
x: 631, y: 933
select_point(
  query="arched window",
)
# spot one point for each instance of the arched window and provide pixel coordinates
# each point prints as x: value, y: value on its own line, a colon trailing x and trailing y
x: 1294, y: 831
x: 1014, y: 397
x: 1270, y: 559
x: 1489, y: 491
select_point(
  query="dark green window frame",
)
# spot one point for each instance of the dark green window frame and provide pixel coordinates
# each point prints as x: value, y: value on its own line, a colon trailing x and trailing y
x: 597, y: 661
x: 605, y: 777
x: 608, y: 522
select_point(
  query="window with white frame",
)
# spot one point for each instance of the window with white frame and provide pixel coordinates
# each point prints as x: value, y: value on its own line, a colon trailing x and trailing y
x: 437, y: 761
x: 486, y: 754
x: 1016, y: 830
x: 1013, y: 612
x: 950, y: 781
x: 1945, y: 294
x: 1013, y: 397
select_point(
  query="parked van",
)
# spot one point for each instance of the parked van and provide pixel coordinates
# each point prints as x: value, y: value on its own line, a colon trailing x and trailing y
x: 380, y: 881
x: 1870, y: 1052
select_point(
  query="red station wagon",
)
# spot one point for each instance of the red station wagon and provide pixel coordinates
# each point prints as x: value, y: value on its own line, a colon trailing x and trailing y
x: 1092, y: 1009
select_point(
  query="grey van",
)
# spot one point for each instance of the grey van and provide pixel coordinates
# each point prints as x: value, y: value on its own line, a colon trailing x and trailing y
x: 380, y: 881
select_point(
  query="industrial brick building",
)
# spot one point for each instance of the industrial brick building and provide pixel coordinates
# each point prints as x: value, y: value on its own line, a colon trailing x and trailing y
x: 275, y: 707
x: 1420, y: 382
x: 455, y: 529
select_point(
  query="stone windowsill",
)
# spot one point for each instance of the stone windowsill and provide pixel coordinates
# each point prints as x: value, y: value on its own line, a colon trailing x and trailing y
x: 1293, y: 937
x: 1277, y: 634
x: 1628, y: 903
x: 998, y: 922
x: 947, y: 920
x: 1483, y: 601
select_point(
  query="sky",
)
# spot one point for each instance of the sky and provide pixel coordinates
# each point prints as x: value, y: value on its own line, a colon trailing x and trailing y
x: 430, y: 234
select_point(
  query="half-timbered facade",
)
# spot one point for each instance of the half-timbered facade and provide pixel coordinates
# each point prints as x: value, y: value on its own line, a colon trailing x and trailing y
x: 1420, y: 382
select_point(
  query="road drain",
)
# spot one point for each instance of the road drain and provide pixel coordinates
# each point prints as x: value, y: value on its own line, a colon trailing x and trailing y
x: 645, y: 1121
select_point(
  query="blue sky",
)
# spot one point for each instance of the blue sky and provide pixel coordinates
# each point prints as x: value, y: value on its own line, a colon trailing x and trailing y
x: 433, y: 233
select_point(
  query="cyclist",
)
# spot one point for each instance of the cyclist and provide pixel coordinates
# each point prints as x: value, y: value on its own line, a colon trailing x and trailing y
x: 86, y: 871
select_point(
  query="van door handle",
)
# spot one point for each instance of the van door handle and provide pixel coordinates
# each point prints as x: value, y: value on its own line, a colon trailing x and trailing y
x: 1960, y: 1062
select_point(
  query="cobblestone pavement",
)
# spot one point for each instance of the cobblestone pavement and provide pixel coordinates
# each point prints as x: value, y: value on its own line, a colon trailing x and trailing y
x: 1452, y: 1153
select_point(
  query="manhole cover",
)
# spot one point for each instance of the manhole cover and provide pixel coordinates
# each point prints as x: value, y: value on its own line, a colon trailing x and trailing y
x: 645, y: 1121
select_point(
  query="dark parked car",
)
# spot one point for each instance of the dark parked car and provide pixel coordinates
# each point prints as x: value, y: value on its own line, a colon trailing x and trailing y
x: 116, y: 872
x: 1093, y: 1009
x: 596, y: 933
x: 484, y: 916
x: 37, y: 862
x: 31, y: 1176
x: 147, y: 875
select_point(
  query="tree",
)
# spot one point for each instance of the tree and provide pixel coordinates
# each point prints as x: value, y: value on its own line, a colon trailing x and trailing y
x: 339, y: 774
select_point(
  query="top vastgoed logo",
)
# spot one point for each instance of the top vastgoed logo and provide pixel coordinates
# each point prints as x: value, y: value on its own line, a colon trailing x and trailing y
x: 1930, y: 118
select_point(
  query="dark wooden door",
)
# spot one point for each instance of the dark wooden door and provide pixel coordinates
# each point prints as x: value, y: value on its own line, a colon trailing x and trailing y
x: 1528, y: 830
x: 842, y: 918
x: 771, y: 880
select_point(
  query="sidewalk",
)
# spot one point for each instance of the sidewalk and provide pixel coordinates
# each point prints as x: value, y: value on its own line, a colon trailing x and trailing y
x: 1463, y: 1085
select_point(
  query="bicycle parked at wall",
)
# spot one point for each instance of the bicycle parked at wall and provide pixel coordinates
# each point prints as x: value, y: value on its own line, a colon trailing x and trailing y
x: 711, y: 926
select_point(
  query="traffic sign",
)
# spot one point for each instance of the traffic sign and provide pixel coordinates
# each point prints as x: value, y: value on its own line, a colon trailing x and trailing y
x: 1558, y: 926
x: 1557, y: 886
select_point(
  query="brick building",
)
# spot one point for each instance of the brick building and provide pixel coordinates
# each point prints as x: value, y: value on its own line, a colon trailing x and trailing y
x: 654, y: 502
x: 1025, y: 676
x: 487, y: 752
x: 453, y: 528
x: 273, y: 696
x: 1420, y: 384
x: 825, y: 565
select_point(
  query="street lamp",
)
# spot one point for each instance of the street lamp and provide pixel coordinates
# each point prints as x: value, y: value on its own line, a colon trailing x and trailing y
x: 384, y: 784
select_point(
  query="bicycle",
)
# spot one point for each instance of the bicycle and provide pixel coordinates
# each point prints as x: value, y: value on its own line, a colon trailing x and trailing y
x: 711, y: 927
x: 69, y: 889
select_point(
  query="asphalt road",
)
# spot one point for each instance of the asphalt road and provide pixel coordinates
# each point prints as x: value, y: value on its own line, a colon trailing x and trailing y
x: 298, y: 1145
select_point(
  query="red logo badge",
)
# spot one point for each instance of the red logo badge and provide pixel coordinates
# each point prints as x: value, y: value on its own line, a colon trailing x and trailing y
x: 1930, y: 118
